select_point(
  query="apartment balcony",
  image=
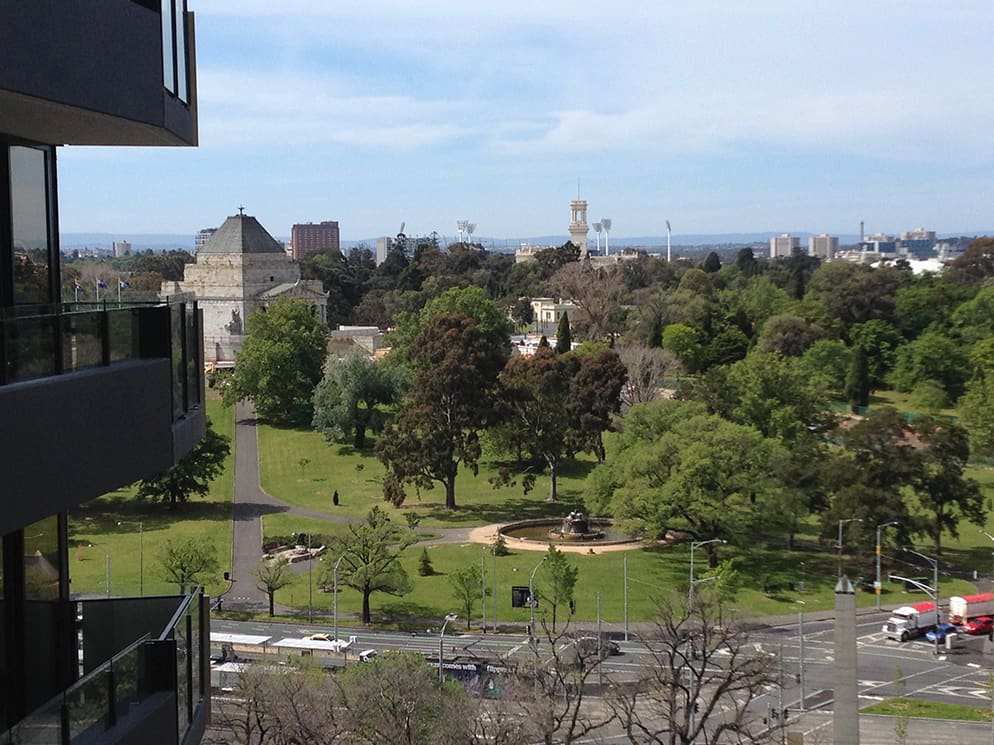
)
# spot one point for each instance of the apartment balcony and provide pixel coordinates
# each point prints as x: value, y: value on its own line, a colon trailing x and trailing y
x: 145, y: 664
x: 94, y: 397
x: 100, y: 72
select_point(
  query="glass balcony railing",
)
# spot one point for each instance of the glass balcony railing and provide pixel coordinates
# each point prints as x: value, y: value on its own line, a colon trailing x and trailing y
x: 118, y: 692
x: 39, y: 341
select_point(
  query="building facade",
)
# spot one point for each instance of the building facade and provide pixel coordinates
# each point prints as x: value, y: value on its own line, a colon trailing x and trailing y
x: 92, y: 398
x: 309, y: 238
x: 578, y: 228
x: 823, y: 246
x: 240, y: 269
x: 784, y: 245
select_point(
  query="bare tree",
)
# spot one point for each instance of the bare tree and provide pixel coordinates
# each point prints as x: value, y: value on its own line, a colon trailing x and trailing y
x: 272, y: 576
x: 647, y: 368
x: 598, y: 293
x: 698, y: 685
x: 550, y: 695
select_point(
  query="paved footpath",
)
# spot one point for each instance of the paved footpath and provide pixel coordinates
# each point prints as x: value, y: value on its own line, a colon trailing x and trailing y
x: 251, y: 503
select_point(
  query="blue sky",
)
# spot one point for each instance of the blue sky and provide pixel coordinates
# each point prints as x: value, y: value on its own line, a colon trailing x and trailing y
x: 719, y: 116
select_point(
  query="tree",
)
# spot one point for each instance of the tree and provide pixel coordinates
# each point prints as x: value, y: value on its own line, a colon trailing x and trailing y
x: 977, y: 412
x: 684, y: 341
x: 598, y: 294
x: 534, y: 393
x: 471, y: 302
x: 872, y: 475
x: 562, y: 580
x: 192, y: 475
x: 594, y: 398
x: 702, y: 475
x: 371, y: 563
x: 564, y: 341
x: 450, y: 400
x: 396, y: 698
x: 467, y: 587
x: 880, y: 340
x: 346, y: 400
x: 188, y: 561
x: 280, y: 362
x: 789, y: 334
x: 935, y: 356
x: 648, y: 369
x: 699, y: 684
x: 858, y: 380
x: 944, y: 491
x: 273, y: 575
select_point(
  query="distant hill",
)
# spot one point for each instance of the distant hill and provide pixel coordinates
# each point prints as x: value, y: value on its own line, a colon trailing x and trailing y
x: 170, y: 241
x: 138, y: 241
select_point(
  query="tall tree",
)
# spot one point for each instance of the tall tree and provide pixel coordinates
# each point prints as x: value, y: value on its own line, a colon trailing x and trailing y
x: 280, y: 362
x: 371, y: 552
x: 347, y: 400
x: 450, y: 400
x: 188, y: 561
x: 945, y: 492
x: 273, y: 576
x: 192, y: 475
x: 534, y: 393
x: 594, y: 398
x: 858, y: 379
x: 564, y: 338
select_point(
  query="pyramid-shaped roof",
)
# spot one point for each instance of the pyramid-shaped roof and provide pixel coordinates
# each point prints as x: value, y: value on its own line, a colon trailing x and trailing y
x: 241, y: 234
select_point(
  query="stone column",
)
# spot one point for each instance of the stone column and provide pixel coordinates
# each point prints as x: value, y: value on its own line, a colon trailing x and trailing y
x: 846, y: 715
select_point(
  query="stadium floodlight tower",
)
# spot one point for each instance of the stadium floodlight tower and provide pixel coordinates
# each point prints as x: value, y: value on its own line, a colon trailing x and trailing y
x: 597, y: 229
x: 461, y: 228
x: 667, y: 241
x: 470, y: 229
x: 606, y: 227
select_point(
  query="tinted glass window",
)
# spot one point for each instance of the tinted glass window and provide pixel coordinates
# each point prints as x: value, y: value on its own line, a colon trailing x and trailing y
x: 29, y: 224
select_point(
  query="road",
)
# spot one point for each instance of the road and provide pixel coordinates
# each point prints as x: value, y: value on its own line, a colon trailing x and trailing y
x: 959, y: 676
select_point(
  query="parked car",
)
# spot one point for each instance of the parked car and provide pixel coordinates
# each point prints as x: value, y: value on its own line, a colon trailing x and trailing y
x: 979, y: 625
x: 587, y: 646
x: 940, y: 632
x: 318, y: 638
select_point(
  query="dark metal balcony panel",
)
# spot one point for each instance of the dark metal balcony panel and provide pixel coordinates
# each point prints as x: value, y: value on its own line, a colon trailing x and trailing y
x: 70, y: 438
x: 89, y: 73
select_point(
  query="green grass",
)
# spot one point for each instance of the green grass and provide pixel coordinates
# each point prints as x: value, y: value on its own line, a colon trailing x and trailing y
x: 300, y: 468
x: 918, y: 708
x: 94, y: 532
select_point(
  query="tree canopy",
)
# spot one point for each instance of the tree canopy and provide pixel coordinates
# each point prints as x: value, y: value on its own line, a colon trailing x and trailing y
x: 192, y: 475
x: 280, y: 362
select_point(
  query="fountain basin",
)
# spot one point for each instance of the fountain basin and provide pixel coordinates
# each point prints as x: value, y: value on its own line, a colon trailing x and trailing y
x: 600, y: 532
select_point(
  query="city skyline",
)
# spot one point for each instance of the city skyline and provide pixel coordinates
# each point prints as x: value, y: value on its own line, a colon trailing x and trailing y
x: 766, y: 118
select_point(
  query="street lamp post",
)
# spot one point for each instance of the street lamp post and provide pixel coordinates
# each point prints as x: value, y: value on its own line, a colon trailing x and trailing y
x: 310, y: 582
x: 141, y: 553
x: 800, y: 639
x: 531, y: 601
x: 935, y: 588
x: 334, y: 600
x: 690, y: 590
x: 494, y: 572
x: 441, y: 644
x: 877, y: 586
x: 839, y: 544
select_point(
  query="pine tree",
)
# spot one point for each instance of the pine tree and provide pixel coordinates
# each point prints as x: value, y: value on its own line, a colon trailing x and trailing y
x: 858, y: 380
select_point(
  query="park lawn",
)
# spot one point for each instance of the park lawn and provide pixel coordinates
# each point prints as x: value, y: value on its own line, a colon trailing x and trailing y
x: 654, y: 573
x: 300, y: 468
x: 94, y: 532
x: 918, y: 708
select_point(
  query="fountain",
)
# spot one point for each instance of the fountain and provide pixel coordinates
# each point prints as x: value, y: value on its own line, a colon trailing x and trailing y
x: 576, y: 527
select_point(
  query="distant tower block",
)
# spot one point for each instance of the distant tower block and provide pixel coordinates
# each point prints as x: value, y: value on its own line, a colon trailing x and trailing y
x: 846, y: 717
x: 578, y: 225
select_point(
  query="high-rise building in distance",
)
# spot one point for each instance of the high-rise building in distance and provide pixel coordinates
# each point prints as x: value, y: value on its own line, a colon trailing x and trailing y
x: 308, y: 238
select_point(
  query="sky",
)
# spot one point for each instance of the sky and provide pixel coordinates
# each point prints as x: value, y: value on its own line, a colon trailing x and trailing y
x: 719, y: 116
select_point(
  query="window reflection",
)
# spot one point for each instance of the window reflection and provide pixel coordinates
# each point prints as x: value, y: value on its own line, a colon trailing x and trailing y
x: 29, y: 224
